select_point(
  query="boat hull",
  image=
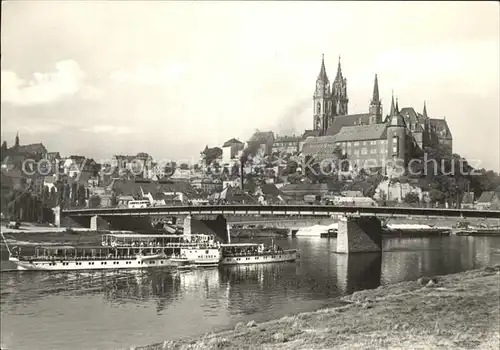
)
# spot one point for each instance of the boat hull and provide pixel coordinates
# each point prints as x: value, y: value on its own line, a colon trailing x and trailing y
x: 260, y: 259
x: 83, y: 265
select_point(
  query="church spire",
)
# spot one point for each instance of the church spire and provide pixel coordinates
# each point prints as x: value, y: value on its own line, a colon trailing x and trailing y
x: 322, y: 73
x: 339, y: 71
x: 393, y: 107
x: 376, y: 96
x: 424, y: 113
x: 17, y: 139
x: 397, y: 106
x: 375, y: 105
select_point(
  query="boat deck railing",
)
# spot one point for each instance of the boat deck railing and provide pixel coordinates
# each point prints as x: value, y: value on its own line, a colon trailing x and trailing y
x: 82, y: 258
x: 268, y: 253
x: 168, y: 245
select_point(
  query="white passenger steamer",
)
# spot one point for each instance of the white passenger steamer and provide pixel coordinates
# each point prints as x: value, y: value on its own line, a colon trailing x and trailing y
x: 254, y: 253
x: 120, y: 251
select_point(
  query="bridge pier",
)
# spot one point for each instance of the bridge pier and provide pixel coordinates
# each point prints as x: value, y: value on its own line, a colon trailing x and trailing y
x: 358, y: 271
x: 217, y: 226
x: 97, y: 223
x: 57, y: 216
x: 359, y: 234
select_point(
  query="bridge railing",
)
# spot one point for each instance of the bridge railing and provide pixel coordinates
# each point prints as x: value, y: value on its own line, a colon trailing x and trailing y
x: 295, y: 203
x: 286, y: 210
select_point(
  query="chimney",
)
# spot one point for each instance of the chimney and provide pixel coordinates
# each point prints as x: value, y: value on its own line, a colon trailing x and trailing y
x: 242, y: 177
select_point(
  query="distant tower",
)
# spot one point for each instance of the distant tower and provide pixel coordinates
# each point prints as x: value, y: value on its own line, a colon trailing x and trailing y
x: 17, y: 140
x: 375, y: 105
x: 339, y: 93
x: 393, y: 106
x: 426, y: 125
x: 322, y: 101
x: 396, y: 142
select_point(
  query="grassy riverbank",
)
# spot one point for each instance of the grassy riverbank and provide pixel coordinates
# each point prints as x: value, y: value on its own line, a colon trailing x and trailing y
x: 458, y: 311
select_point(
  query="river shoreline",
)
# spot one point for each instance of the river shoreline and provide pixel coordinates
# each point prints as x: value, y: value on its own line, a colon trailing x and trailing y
x: 459, y: 311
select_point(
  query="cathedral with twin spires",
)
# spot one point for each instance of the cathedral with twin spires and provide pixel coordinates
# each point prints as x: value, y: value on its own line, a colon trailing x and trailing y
x: 329, y: 101
x: 370, y: 139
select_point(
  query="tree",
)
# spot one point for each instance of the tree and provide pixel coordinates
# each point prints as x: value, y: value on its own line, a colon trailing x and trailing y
x: 184, y: 166
x: 235, y: 170
x: 114, y: 198
x: 169, y: 168
x: 53, y: 194
x: 435, y: 195
x: 66, y: 195
x: 3, y: 150
x: 211, y: 154
x: 81, y: 196
x: 291, y: 168
x: 73, y: 194
x: 411, y: 198
x: 294, y: 178
x: 94, y: 201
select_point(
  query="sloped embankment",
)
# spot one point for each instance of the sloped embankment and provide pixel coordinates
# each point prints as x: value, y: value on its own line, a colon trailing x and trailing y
x: 459, y: 311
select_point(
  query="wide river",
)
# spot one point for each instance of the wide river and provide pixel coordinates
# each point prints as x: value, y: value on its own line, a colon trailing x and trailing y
x: 115, y: 310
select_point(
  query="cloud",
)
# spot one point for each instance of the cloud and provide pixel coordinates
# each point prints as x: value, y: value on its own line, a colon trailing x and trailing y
x: 45, y: 88
x: 147, y: 75
x: 108, y: 129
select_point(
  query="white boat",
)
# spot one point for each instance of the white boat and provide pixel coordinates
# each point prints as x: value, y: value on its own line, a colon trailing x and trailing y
x: 254, y: 253
x: 208, y: 257
x: 318, y: 230
x: 118, y: 251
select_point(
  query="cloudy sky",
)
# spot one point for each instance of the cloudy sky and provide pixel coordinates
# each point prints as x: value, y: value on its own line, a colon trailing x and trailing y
x: 167, y: 78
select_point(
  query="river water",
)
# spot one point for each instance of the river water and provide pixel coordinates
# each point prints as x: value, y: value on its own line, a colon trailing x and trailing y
x: 115, y: 310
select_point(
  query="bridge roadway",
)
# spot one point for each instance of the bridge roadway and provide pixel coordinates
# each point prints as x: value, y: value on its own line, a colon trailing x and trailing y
x: 284, y: 210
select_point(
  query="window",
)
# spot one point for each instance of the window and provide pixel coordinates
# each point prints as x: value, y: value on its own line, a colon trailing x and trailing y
x: 395, y: 145
x: 364, y: 150
x: 318, y: 108
x: 373, y: 151
x: 356, y: 143
x: 356, y: 152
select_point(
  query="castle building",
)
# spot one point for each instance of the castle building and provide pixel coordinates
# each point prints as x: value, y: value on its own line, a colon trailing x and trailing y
x: 368, y: 139
x: 286, y: 144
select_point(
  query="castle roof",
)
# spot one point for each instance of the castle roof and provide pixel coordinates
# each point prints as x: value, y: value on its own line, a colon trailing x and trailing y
x: 347, y: 120
x: 441, y: 127
x: 309, y: 133
x: 320, y: 147
x: 33, y: 148
x: 362, y: 132
x: 287, y: 138
x: 411, y: 115
x: 143, y: 155
x: 413, y: 118
x: 233, y: 141
x: 396, y: 120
